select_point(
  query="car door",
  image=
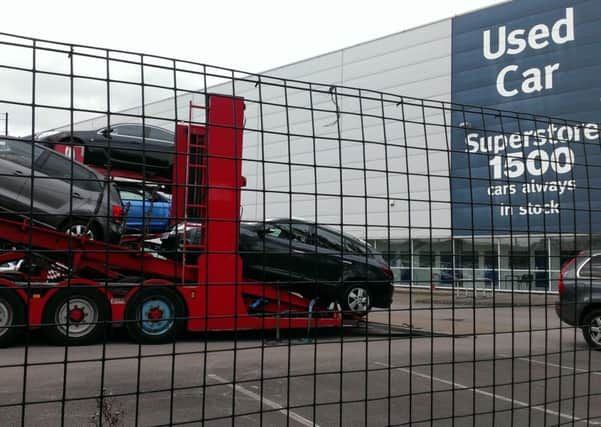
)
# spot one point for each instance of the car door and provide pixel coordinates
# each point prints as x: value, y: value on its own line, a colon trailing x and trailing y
x: 144, y: 208
x: 133, y: 202
x: 159, y: 212
x: 296, y: 251
x: 264, y: 251
x: 272, y: 252
x: 61, y: 188
x: 162, y: 135
x: 160, y: 144
x: 15, y: 173
x: 126, y: 144
x: 330, y: 255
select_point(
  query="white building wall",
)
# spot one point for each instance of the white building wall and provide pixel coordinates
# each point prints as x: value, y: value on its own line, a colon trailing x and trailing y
x: 415, y: 63
x: 305, y: 161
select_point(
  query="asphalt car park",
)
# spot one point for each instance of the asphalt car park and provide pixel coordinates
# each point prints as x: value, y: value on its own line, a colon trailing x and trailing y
x: 528, y: 369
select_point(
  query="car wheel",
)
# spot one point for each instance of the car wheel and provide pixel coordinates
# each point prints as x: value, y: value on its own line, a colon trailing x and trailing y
x: 12, y: 317
x: 76, y: 316
x: 154, y: 316
x: 591, y: 329
x: 356, y: 300
x: 81, y: 228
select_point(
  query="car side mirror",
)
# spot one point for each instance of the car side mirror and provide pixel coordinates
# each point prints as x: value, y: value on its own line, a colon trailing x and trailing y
x: 263, y: 231
x: 106, y: 131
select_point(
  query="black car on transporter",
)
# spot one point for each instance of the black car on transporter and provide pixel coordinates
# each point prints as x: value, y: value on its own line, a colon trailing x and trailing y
x: 309, y: 259
x: 128, y: 146
x: 579, y: 301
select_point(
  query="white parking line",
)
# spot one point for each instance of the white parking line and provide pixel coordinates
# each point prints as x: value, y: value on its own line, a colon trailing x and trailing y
x: 555, y: 365
x: 492, y: 395
x: 290, y: 414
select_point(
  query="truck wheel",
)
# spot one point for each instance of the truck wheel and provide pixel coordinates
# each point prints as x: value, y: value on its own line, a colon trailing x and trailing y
x: 12, y: 317
x: 154, y: 315
x: 591, y: 329
x: 76, y: 316
x: 355, y: 300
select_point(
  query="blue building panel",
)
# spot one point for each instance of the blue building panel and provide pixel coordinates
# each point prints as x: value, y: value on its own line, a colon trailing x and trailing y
x: 524, y: 173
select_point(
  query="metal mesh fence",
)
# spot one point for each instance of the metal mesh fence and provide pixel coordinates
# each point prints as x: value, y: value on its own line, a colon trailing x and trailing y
x: 184, y: 244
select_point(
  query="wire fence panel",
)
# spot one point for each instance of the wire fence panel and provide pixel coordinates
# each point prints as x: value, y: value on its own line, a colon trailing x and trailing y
x: 184, y: 244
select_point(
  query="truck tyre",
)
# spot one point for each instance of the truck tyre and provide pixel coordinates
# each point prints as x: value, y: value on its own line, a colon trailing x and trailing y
x: 12, y: 317
x: 154, y: 315
x: 591, y: 329
x: 76, y: 316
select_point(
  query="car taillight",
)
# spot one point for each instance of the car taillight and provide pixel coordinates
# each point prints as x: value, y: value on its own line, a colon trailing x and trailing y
x: 388, y: 271
x: 561, y: 287
x: 118, y: 213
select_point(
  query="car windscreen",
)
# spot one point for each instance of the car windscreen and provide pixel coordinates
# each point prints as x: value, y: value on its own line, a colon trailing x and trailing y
x: 131, y: 195
x: 341, y: 242
x: 161, y: 134
x: 19, y: 152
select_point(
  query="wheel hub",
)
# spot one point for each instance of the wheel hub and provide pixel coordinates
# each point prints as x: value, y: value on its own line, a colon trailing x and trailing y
x: 76, y: 317
x: 155, y: 314
x: 76, y: 314
x: 358, y: 300
x: 79, y: 230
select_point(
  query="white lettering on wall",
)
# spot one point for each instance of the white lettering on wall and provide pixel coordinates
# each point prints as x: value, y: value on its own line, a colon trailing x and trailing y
x: 510, y: 79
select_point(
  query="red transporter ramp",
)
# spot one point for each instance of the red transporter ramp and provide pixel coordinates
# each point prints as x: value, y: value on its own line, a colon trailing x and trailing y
x: 102, y: 284
x: 222, y: 298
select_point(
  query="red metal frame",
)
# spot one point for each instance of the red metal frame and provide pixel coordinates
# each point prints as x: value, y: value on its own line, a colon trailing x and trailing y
x: 216, y: 295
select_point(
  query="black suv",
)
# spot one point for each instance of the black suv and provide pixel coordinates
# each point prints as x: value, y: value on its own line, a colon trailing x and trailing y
x: 580, y: 295
x: 309, y: 259
x: 50, y: 189
x: 128, y: 146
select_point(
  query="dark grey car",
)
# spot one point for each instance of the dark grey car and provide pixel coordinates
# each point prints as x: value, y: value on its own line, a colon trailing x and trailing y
x: 128, y: 146
x: 61, y: 193
x: 314, y: 260
x: 306, y: 258
x: 580, y: 295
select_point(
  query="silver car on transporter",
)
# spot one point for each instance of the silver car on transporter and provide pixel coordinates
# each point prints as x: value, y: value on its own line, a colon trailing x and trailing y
x: 50, y: 189
x: 579, y: 301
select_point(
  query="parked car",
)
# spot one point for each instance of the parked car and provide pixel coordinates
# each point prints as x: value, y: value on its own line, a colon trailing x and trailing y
x: 129, y: 146
x: 579, y: 301
x: 148, y: 211
x: 310, y: 259
x: 52, y: 190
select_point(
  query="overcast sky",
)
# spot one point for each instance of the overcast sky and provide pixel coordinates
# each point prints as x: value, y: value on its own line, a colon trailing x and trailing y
x: 248, y: 35
x: 252, y: 36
